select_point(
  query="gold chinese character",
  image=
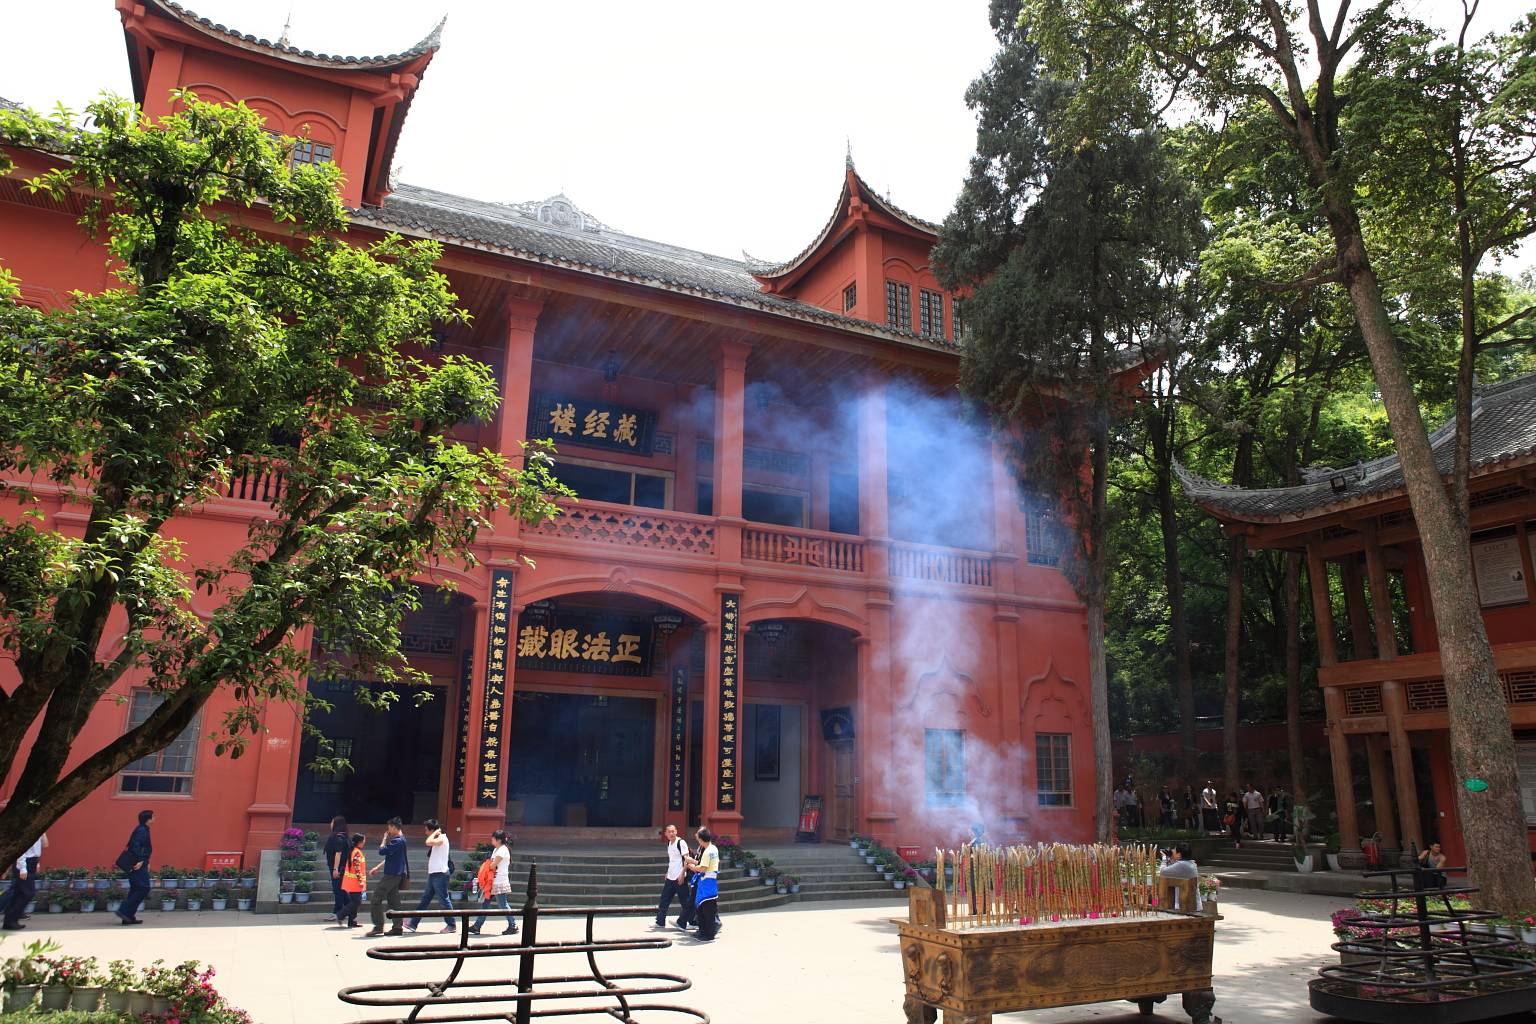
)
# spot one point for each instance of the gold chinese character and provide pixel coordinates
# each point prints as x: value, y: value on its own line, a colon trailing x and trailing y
x: 562, y: 644
x: 726, y: 773
x: 624, y: 433
x: 489, y: 768
x: 494, y: 704
x: 497, y: 679
x: 595, y: 424
x: 627, y: 648
x: 725, y: 800
x: 729, y: 762
x: 501, y: 617
x: 729, y: 716
x: 493, y: 716
x: 595, y: 647
x: 562, y: 419
x: 489, y: 794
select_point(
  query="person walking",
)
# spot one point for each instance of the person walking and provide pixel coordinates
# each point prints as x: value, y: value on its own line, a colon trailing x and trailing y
x: 136, y: 860
x: 392, y: 849
x: 676, y: 883
x: 707, y: 903
x: 1253, y: 805
x: 23, y: 884
x: 438, y: 869
x: 1166, y: 805
x: 501, y: 884
x: 337, y: 846
x: 354, y: 880
x: 1210, y: 814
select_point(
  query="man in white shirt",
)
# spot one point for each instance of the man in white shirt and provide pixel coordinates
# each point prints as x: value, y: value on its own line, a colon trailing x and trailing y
x: 437, y: 875
x: 1210, y: 819
x: 676, y: 883
x: 1253, y: 804
x: 23, y: 884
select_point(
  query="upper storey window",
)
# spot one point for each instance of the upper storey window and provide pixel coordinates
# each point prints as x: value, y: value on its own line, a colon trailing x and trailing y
x: 307, y: 151
x: 954, y: 307
x: 898, y: 304
x: 850, y: 297
x: 930, y: 313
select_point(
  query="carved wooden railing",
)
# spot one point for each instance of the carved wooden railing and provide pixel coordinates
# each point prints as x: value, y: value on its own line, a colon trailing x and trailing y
x: 809, y: 548
x: 643, y: 528
x: 263, y: 484
x: 941, y: 565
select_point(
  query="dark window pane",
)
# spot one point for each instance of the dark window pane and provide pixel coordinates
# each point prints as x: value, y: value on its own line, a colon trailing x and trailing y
x: 593, y: 484
x: 772, y: 507
x: 850, y: 297
x: 705, y: 501
x: 650, y: 491
x: 843, y: 503
x: 944, y: 765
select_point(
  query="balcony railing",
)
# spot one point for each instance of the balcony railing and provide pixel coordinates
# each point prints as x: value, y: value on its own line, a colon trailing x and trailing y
x: 812, y: 549
x: 941, y: 565
x: 257, y: 484
x: 641, y: 528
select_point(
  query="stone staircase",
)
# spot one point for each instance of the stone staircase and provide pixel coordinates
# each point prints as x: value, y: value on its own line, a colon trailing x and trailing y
x: 631, y: 875
x: 1255, y: 855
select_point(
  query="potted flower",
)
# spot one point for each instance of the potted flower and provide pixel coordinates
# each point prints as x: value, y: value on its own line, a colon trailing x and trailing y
x: 285, y: 889
x: 302, y: 882
x: 169, y: 878
x: 85, y: 983
x: 57, y: 878
x: 220, y: 899
x: 781, y: 885
x: 115, y: 897
x: 1332, y: 851
x: 101, y: 878
x: 247, y: 878
x: 168, y: 900
x: 25, y: 975
x: 1528, y: 929
x: 54, y: 995
x: 56, y: 900
x: 243, y: 901
x: 1210, y: 893
x: 908, y: 876
x: 79, y: 878
x: 88, y: 902
x: 754, y: 868
x: 765, y: 864
x: 793, y: 883
x: 121, y: 982
x: 855, y: 841
x: 194, y: 900
x: 771, y: 876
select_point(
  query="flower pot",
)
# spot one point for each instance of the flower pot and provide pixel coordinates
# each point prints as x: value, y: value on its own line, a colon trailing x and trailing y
x: 112, y: 906
x: 1333, y: 862
x: 1208, y: 908
x: 890, y: 876
x: 457, y: 896
x: 219, y: 904
x: 55, y: 908
x: 169, y: 903
x: 88, y: 906
x: 85, y: 999
x: 868, y: 859
x: 285, y: 897
x: 1304, y: 864
x: 139, y: 1003
x: 754, y: 872
x: 301, y: 897
x: 1357, y: 958
x: 54, y: 997
x: 1528, y: 936
x: 853, y: 844
x: 194, y: 903
x: 247, y: 881
x: 898, y: 884
x: 1506, y: 931
x: 79, y: 884
x: 169, y: 883
x: 782, y: 890
x: 103, y: 883
x: 794, y: 889
x: 767, y: 881
x: 20, y: 998
x: 159, y: 1005
x: 116, y: 1001
x: 243, y: 904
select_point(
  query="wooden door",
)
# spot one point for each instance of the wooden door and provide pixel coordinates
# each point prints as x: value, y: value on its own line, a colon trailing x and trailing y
x: 842, y: 813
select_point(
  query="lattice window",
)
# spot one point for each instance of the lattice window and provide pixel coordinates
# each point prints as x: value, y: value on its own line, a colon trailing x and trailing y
x: 1427, y: 695
x: 898, y: 304
x: 1506, y: 493
x: 1525, y: 766
x: 1362, y: 700
x: 1043, y: 537
x: 930, y: 313
x: 1519, y: 687
x: 307, y: 151
x: 850, y: 297
x: 1053, y: 769
x: 168, y: 770
x: 944, y: 762
x: 955, y: 320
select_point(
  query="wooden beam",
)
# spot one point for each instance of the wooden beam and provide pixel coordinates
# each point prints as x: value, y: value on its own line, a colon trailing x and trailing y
x: 1410, y: 667
x: 1322, y: 605
x: 1381, y: 599
x: 1381, y: 789
x: 1343, y: 775
x: 1396, y: 704
x: 1359, y: 614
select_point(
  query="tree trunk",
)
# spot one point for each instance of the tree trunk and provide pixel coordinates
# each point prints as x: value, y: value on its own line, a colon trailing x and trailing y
x: 1481, y: 740
x: 1098, y: 681
x: 1173, y: 577
x: 1237, y: 547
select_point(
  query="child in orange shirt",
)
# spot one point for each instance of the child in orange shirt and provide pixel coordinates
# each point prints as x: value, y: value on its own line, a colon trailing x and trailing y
x: 354, y: 880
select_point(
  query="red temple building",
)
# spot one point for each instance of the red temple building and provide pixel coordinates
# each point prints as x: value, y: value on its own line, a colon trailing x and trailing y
x: 796, y: 568
x: 1379, y: 666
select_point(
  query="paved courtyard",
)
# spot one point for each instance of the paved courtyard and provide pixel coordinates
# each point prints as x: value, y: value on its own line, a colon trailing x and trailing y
x: 825, y: 963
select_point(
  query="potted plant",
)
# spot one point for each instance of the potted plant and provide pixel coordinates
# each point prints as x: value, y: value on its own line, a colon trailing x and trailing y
x: 85, y: 983
x: 247, y: 878
x: 1528, y: 928
x: 909, y: 876
x: 794, y: 884
x: 101, y: 878
x: 88, y: 902
x: 754, y: 868
x: 56, y: 900
x: 1210, y: 893
x: 302, y: 882
x: 57, y: 878
x: 168, y: 900
x: 220, y: 898
x: 781, y: 885
x: 194, y: 901
x: 771, y: 876
x: 243, y: 901
x: 121, y: 982
x: 285, y: 890
x: 79, y: 878
x: 169, y: 877
x: 54, y: 994
x: 1332, y: 851
x: 855, y: 841
x: 25, y: 975
x: 115, y: 897
x: 1301, y: 855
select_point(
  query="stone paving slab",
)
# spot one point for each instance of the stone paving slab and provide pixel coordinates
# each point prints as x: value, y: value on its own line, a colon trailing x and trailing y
x: 826, y: 963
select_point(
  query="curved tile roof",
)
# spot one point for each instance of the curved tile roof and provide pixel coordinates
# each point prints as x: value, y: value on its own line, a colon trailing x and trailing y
x: 286, y: 51
x: 575, y: 240
x: 1503, y: 432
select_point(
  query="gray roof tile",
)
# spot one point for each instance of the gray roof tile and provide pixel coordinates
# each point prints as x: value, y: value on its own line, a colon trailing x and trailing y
x: 1503, y: 430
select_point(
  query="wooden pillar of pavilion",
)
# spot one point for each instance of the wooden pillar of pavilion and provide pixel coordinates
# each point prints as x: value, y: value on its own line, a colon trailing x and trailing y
x: 1381, y: 789
x: 1393, y: 699
x: 1338, y: 742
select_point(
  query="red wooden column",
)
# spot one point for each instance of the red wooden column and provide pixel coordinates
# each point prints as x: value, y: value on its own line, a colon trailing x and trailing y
x: 1333, y: 701
x: 1393, y: 699
x: 277, y: 768
x: 1381, y: 789
x: 873, y: 716
x: 1005, y: 615
x: 730, y: 447
x: 516, y: 384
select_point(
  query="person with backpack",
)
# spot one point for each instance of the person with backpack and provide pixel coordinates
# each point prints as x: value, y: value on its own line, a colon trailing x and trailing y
x: 354, y: 881
x: 494, y: 884
x: 676, y: 883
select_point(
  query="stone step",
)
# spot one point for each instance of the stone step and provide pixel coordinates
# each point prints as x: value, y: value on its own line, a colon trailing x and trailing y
x: 853, y: 887
x: 896, y: 899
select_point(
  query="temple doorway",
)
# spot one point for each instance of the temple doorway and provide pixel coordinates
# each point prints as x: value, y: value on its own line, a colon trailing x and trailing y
x: 581, y: 760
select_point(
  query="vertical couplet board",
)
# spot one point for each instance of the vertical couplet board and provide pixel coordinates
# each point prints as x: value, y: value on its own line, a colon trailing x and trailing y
x: 461, y: 728
x: 488, y: 788
x: 730, y: 677
x: 678, y: 739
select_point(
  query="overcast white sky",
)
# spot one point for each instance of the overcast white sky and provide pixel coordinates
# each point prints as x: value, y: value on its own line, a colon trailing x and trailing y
x: 705, y: 123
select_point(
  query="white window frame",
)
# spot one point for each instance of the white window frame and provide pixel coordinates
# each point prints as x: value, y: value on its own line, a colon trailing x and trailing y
x: 618, y: 467
x: 189, y: 734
